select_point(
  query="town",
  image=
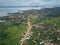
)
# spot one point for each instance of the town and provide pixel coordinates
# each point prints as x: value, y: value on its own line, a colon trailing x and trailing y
x: 44, y: 26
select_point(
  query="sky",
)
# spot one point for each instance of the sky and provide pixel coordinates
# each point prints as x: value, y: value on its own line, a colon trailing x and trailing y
x: 43, y: 3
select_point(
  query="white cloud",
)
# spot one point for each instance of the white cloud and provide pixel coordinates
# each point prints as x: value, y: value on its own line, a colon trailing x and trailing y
x: 41, y: 2
x: 30, y: 2
x: 5, y: 0
x: 34, y: 2
x: 2, y: 0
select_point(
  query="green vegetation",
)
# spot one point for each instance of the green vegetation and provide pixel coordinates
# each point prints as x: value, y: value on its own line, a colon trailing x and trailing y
x: 50, y: 32
x: 46, y: 27
x: 10, y: 35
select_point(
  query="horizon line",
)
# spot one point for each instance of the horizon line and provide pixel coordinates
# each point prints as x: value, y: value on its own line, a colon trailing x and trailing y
x: 23, y: 6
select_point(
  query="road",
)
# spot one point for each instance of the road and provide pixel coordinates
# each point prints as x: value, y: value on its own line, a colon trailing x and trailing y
x: 27, y: 32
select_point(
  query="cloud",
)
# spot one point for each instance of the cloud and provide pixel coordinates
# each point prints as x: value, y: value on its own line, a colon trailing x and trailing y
x: 44, y: 3
x: 41, y: 2
x: 30, y: 2
x: 5, y: 1
x: 2, y: 0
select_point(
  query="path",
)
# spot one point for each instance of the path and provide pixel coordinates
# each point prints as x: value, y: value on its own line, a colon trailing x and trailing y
x: 27, y: 32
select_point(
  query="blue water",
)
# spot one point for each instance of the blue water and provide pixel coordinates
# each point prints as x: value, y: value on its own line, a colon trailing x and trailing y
x: 4, y: 11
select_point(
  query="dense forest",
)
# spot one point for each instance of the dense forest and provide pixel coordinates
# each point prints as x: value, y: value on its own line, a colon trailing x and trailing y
x: 45, y: 27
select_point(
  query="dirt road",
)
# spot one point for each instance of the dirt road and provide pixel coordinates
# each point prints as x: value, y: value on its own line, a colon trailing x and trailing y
x: 27, y: 32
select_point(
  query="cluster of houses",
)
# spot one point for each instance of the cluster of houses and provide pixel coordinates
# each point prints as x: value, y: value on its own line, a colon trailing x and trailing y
x: 13, y: 17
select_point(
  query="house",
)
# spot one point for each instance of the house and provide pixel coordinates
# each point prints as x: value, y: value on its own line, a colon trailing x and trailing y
x: 40, y: 25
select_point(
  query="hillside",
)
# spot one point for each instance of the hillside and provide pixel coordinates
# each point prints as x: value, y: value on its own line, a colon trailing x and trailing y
x: 44, y: 26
